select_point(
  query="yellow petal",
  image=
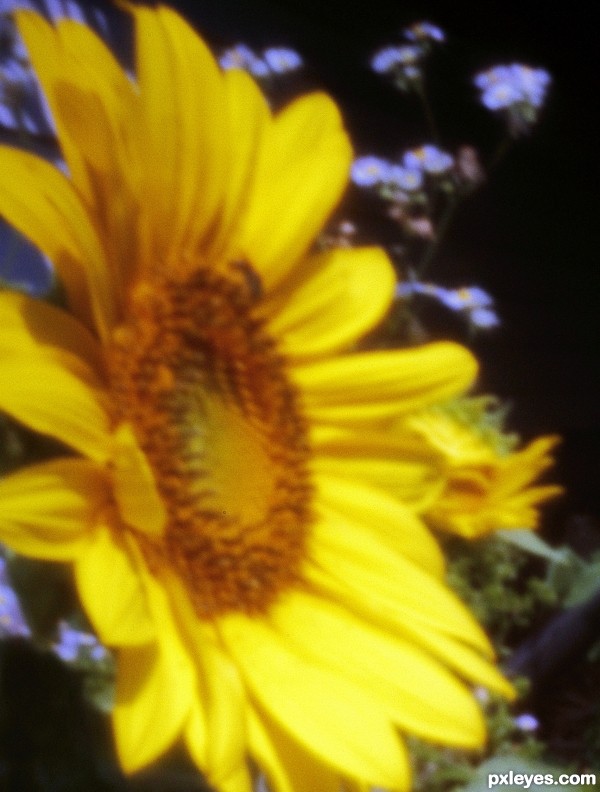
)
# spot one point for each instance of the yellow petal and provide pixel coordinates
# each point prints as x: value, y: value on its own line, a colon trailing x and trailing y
x: 138, y: 499
x: 286, y: 765
x: 416, y: 485
x: 111, y: 591
x: 398, y: 463
x: 156, y: 685
x: 93, y: 105
x: 335, y: 298
x: 248, y: 120
x: 38, y: 200
x: 413, y: 482
x: 353, y: 564
x: 151, y: 704
x: 195, y: 733
x: 455, y: 442
x: 240, y: 782
x: 184, y: 112
x: 216, y: 729
x: 49, y: 510
x: 225, y: 708
x: 389, y: 520
x: 462, y: 659
x: 45, y: 396
x: 522, y: 467
x: 418, y: 693
x: 71, y: 55
x: 26, y: 325
x: 383, y: 384
x: 302, y: 171
x: 331, y: 717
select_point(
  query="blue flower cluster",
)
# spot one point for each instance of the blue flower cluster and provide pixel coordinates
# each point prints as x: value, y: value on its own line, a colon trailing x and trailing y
x: 75, y: 646
x: 504, y: 86
x: 407, y: 57
x: 408, y: 174
x: 423, y: 32
x: 404, y: 61
x: 428, y: 158
x: 473, y: 302
x: 516, y: 90
x: 273, y: 61
x: 12, y: 620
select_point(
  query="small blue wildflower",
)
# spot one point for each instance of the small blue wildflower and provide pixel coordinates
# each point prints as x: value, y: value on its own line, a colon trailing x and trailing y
x: 75, y: 645
x: 424, y: 31
x: 428, y: 158
x: 415, y: 287
x: 527, y: 722
x: 485, y: 318
x: 12, y: 620
x: 505, y: 86
x: 500, y: 95
x: 481, y: 694
x: 493, y: 76
x: 467, y: 297
x: 241, y: 57
x: 411, y: 73
x: 409, y: 179
x: 281, y: 60
x: 534, y: 84
x: 474, y: 303
x: 69, y: 645
x: 390, y: 58
x: 98, y: 652
x: 369, y: 171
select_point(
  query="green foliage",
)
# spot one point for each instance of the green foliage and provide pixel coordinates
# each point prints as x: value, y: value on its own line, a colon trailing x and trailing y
x: 489, y: 575
x: 445, y: 770
x: 486, y: 417
x: 575, y: 580
x: 508, y: 585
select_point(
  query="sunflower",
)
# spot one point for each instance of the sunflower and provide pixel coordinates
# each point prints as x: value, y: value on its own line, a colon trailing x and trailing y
x: 266, y: 608
x: 483, y: 488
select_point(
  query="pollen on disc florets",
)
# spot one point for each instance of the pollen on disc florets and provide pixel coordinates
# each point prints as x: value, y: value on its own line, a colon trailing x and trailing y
x: 201, y: 382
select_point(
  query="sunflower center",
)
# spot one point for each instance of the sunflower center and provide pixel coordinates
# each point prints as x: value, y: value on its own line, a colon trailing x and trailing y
x: 196, y: 375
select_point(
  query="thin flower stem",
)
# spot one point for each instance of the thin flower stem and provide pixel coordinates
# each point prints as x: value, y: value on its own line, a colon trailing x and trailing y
x: 441, y: 230
x: 453, y: 203
x: 502, y: 150
x: 428, y: 112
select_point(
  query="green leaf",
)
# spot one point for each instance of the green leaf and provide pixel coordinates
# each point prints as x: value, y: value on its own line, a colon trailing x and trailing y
x: 531, y: 543
x: 584, y: 585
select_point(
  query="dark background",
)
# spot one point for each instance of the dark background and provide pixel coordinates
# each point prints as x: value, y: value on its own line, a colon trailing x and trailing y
x: 529, y: 235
